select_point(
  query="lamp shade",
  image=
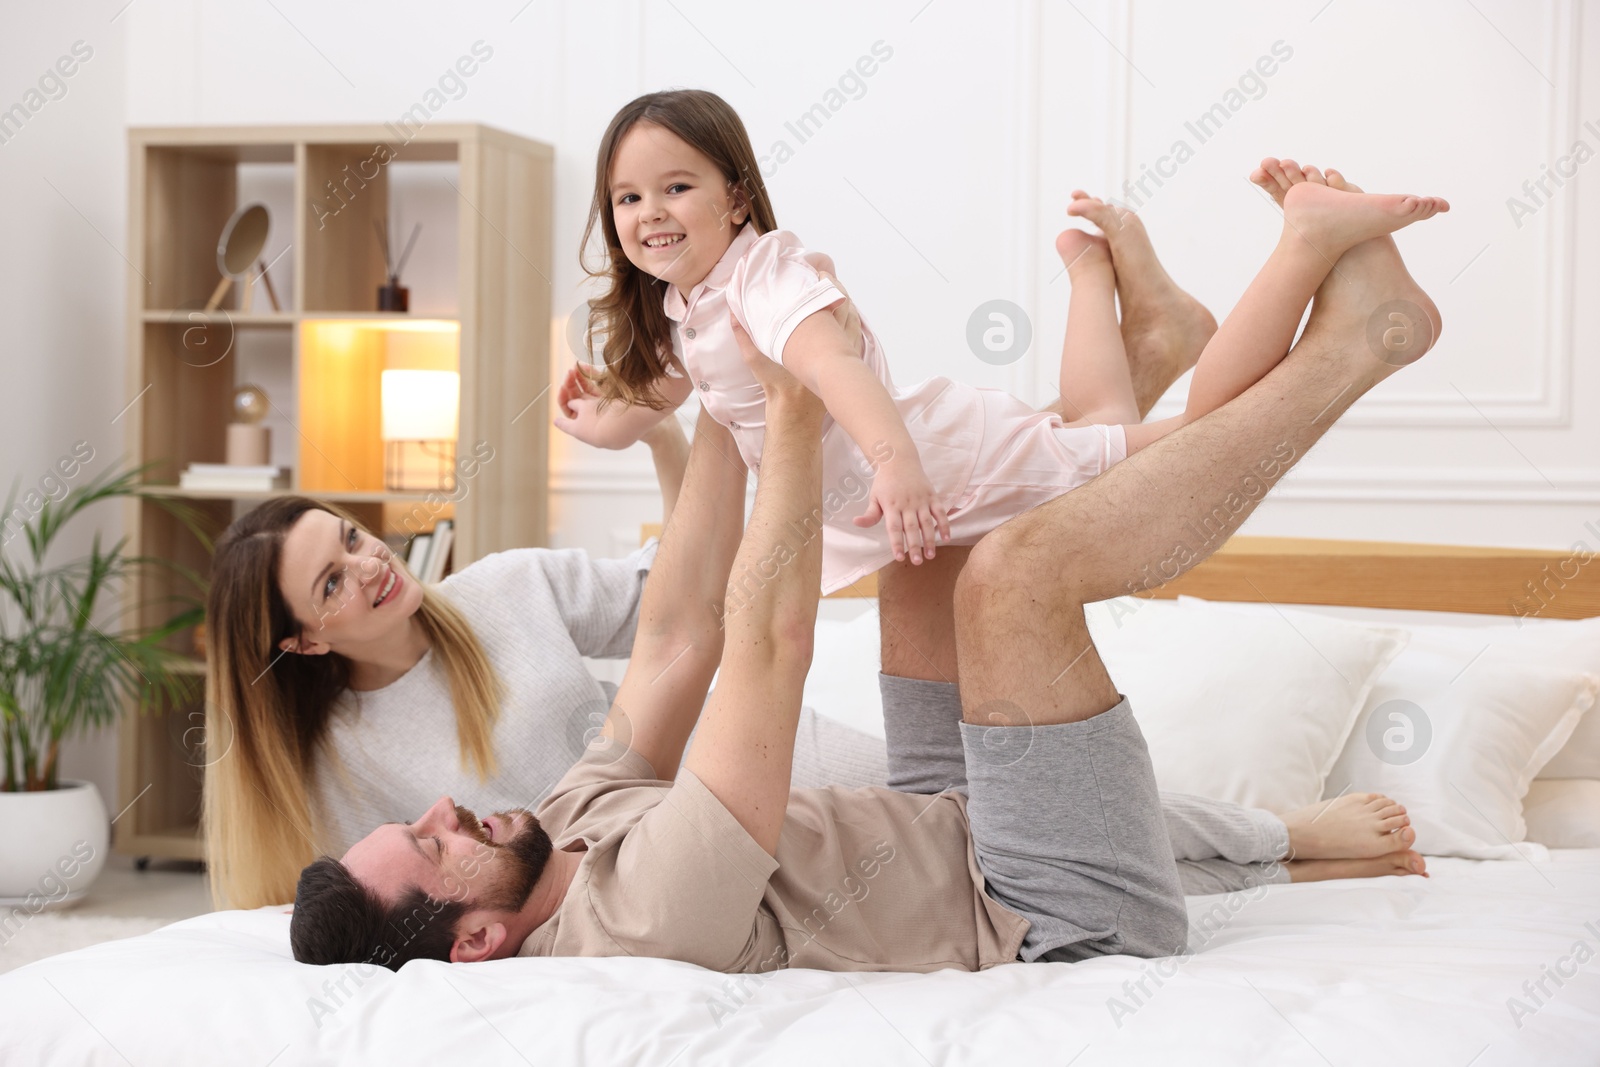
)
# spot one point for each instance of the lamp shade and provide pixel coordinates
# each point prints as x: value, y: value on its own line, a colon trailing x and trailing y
x: 421, y: 405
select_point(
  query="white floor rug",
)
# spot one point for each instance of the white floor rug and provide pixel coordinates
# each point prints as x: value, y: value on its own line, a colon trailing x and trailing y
x: 45, y: 935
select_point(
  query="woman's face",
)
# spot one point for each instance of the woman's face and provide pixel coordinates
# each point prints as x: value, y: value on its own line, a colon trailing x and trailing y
x: 342, y: 584
x: 671, y: 205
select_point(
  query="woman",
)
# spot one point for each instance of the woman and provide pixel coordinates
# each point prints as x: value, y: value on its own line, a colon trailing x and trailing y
x: 342, y: 694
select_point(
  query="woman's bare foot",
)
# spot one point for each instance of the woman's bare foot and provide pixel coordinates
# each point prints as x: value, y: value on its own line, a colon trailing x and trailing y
x: 1163, y: 328
x: 1352, y: 826
x: 1322, y: 870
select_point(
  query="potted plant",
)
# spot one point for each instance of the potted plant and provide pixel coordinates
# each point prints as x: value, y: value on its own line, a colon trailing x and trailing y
x: 67, y: 665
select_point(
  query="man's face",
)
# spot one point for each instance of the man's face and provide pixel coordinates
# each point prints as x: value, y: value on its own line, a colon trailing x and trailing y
x: 489, y: 865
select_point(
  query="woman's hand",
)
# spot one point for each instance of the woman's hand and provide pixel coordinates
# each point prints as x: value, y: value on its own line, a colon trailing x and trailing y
x: 578, y: 409
x: 575, y: 386
x: 578, y: 414
x: 903, y: 498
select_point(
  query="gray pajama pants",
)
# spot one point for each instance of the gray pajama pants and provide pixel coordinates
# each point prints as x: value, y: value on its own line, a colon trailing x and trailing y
x: 1070, y: 813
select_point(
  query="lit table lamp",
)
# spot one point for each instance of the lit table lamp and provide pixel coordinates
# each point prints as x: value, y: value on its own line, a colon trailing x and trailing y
x: 421, y: 411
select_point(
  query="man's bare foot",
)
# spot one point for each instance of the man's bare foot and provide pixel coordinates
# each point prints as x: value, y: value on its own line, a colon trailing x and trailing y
x: 1352, y: 826
x: 1084, y: 255
x: 1323, y: 870
x: 1278, y: 176
x: 1369, y: 293
x: 1401, y: 341
x: 1163, y: 328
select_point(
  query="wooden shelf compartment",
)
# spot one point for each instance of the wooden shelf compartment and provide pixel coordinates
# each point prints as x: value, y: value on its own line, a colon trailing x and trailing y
x: 190, y: 191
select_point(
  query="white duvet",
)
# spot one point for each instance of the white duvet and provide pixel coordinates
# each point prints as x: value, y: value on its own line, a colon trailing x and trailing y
x: 1487, y: 963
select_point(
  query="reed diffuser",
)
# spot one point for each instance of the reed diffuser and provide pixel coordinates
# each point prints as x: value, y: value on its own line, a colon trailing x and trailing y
x: 393, y: 296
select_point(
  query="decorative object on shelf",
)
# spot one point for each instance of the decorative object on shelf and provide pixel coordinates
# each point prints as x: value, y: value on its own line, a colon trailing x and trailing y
x: 393, y: 296
x: 249, y: 442
x: 233, y: 478
x: 421, y: 409
x: 61, y: 674
x: 238, y: 250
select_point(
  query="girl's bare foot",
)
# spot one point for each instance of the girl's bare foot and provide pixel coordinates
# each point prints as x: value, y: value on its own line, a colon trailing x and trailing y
x: 1084, y: 253
x: 1323, y: 870
x: 1333, y: 220
x: 1163, y: 328
x: 1352, y: 826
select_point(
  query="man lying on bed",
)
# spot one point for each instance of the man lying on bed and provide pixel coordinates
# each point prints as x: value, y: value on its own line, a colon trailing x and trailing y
x: 1052, y: 842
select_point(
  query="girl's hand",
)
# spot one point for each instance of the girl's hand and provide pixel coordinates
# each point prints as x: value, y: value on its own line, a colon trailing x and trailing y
x: 903, y: 497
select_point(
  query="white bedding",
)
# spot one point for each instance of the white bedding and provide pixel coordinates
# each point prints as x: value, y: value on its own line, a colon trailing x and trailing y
x: 1389, y: 970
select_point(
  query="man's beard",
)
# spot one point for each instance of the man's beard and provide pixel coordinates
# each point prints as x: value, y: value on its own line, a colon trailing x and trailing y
x: 518, y: 863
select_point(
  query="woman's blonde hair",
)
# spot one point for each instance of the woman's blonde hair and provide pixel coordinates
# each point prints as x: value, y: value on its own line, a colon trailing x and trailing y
x: 628, y: 316
x: 267, y: 712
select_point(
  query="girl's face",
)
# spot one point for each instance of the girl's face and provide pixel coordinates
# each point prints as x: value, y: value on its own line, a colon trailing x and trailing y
x: 673, y: 210
x: 342, y: 584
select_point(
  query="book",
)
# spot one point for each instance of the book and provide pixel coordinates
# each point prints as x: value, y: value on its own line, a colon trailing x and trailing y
x: 444, y: 535
x: 417, y: 558
x: 223, y: 477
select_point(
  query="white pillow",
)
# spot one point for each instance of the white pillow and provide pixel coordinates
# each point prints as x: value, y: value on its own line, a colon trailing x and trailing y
x: 843, y: 682
x: 1241, y: 707
x: 1457, y: 728
x: 1564, y: 814
x: 1566, y: 645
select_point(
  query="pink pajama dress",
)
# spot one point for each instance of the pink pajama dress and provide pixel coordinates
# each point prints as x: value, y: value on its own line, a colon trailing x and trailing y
x: 989, y: 456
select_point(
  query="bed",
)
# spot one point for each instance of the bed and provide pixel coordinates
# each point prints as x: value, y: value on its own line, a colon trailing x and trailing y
x: 1489, y: 961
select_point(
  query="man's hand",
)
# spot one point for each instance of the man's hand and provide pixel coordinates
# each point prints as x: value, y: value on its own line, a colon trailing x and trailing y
x: 903, y: 498
x: 781, y: 388
x: 845, y: 314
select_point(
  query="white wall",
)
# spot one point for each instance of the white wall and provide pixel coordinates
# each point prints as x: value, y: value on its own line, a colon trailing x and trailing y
x: 62, y: 275
x: 936, y: 186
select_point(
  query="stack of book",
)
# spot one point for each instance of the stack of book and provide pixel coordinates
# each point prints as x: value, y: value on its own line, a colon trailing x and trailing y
x: 228, y: 478
x: 431, y: 551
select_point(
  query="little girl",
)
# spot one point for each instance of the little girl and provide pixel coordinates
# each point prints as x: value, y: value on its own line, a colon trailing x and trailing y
x: 693, y: 247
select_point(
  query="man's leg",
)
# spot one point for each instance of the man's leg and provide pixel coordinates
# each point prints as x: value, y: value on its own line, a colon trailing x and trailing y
x: 1045, y: 728
x: 1170, y: 505
x: 1219, y: 847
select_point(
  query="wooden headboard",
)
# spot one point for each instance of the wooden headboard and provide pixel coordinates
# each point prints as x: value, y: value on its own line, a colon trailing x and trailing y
x: 1379, y: 574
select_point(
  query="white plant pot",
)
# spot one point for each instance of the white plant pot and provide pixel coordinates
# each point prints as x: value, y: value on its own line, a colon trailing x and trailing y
x: 56, y: 842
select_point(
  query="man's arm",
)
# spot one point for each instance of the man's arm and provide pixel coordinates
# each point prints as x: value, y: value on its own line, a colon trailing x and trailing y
x: 744, y: 750
x: 679, y: 638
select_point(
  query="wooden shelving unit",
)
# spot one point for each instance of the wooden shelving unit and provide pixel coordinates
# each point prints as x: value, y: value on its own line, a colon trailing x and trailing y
x: 488, y: 319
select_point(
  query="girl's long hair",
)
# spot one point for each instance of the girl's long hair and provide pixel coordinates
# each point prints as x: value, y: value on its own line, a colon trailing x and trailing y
x: 267, y: 712
x: 636, y: 339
